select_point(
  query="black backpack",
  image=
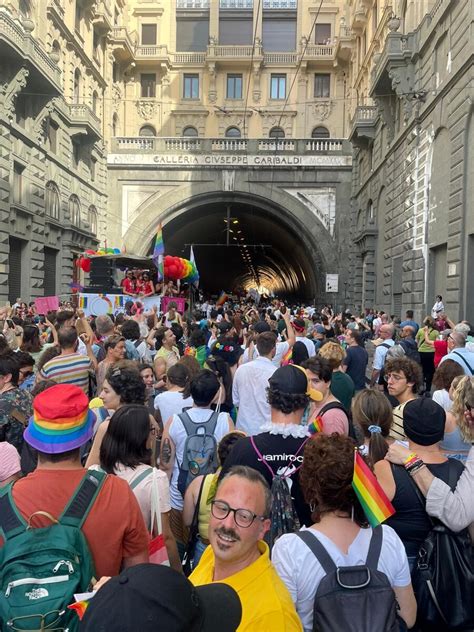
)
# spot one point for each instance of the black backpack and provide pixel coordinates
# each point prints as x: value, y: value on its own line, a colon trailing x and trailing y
x: 357, y: 598
x: 353, y: 434
x: 443, y: 576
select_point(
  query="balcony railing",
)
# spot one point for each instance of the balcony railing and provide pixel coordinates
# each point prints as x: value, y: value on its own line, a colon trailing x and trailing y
x: 159, y: 50
x: 230, y: 145
x: 192, y: 4
x: 189, y: 58
x: 229, y: 51
x: 280, y: 4
x: 236, y: 4
x: 280, y: 58
x: 363, y: 125
x: 319, y: 50
x: 81, y: 114
x: 28, y: 48
x: 365, y: 114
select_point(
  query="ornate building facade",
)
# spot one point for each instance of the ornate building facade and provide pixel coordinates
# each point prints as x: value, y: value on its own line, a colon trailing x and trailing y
x: 413, y: 170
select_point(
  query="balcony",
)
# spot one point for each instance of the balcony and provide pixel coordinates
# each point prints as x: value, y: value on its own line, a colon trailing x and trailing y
x: 196, y: 59
x: 236, y: 4
x: 344, y: 44
x: 102, y: 19
x: 280, y: 59
x: 83, y: 121
x: 319, y: 52
x: 18, y: 47
x: 363, y: 125
x: 394, y: 72
x: 232, y: 53
x: 359, y: 18
x: 291, y: 5
x: 152, y: 54
x: 255, y: 146
x: 193, y: 4
x: 122, y: 45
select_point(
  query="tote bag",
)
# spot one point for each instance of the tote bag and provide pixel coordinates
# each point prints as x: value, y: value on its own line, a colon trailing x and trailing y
x: 157, y: 549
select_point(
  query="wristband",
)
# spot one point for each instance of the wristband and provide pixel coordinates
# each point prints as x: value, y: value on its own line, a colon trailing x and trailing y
x: 411, y: 458
x: 416, y: 468
x: 413, y: 464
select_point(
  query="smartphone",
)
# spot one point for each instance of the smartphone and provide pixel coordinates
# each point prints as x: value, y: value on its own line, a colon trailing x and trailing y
x: 283, y: 309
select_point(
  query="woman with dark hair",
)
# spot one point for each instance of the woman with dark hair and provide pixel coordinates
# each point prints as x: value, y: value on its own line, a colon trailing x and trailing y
x: 442, y: 380
x: 340, y: 526
x: 221, y: 370
x: 31, y: 340
x: 177, y: 396
x: 126, y: 451
x: 145, y: 286
x: 299, y: 353
x: 197, y: 346
x: 122, y: 385
x: 372, y: 412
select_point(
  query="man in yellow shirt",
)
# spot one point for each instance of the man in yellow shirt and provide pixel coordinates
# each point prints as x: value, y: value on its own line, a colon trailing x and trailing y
x: 238, y: 556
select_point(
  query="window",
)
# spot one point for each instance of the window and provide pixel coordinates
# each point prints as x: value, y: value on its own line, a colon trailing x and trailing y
x: 93, y: 168
x: 52, y: 204
x: 190, y: 132
x: 235, y: 27
x: 322, y: 86
x: 78, y: 17
x: 92, y: 219
x: 322, y: 34
x: 114, y: 125
x: 278, y: 87
x: 95, y: 99
x: 276, y: 132
x: 279, y: 33
x: 191, y: 87
x: 149, y: 34
x: 25, y: 8
x: 18, y: 183
x: 320, y: 132
x: 192, y: 34
x: 49, y: 268
x: 52, y: 133
x: 115, y: 72
x: 148, y: 85
x: 234, y: 86
x: 76, y: 153
x: 77, y: 86
x: 96, y: 44
x: 74, y: 210
x: 147, y: 130
x: 232, y: 132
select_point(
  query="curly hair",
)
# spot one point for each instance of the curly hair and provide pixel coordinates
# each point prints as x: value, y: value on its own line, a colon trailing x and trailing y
x: 287, y: 403
x: 191, y: 364
x: 372, y: 408
x: 326, y: 477
x: 463, y: 397
x: 445, y: 374
x: 124, y: 377
x: 333, y: 353
x: 407, y: 366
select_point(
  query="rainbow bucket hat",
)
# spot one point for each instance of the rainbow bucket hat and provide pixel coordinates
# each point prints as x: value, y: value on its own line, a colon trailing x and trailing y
x: 61, y: 420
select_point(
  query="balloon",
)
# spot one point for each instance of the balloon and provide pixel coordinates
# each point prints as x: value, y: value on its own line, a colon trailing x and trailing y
x: 77, y: 262
x: 90, y: 252
x: 117, y: 251
x: 86, y: 265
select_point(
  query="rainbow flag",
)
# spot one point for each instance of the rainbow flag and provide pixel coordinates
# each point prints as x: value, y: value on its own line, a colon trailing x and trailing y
x: 315, y: 426
x: 222, y: 299
x: 80, y: 608
x: 287, y: 357
x: 375, y: 503
x: 159, y: 251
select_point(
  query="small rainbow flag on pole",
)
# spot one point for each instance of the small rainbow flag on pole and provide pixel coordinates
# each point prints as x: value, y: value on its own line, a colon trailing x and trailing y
x: 315, y: 426
x: 159, y: 251
x: 222, y: 299
x: 80, y: 608
x: 373, y: 499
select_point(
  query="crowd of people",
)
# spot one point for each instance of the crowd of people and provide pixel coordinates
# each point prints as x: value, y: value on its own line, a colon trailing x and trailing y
x: 200, y: 465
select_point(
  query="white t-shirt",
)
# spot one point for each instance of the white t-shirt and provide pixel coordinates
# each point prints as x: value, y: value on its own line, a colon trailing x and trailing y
x: 308, y: 344
x: 249, y: 394
x: 442, y: 398
x: 178, y: 437
x: 171, y: 403
x: 143, y: 490
x: 301, y: 572
x: 281, y: 349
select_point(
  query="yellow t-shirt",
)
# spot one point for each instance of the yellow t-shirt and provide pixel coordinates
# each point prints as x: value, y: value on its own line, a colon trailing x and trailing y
x: 266, y: 602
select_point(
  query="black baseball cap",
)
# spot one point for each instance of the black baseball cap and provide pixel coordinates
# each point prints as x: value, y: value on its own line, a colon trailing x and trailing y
x: 289, y: 379
x: 155, y: 598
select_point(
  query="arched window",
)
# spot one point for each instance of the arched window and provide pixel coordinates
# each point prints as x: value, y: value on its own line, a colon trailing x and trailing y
x: 370, y: 211
x: 320, y: 132
x: 25, y: 8
x: 276, y: 132
x: 92, y: 218
x: 52, y: 202
x: 77, y: 86
x: 232, y: 132
x: 75, y: 210
x: 147, y: 130
x: 190, y: 132
x: 114, y: 125
x: 95, y: 102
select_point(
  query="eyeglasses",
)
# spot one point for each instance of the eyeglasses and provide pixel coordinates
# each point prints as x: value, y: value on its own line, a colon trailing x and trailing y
x: 243, y: 517
x: 395, y: 378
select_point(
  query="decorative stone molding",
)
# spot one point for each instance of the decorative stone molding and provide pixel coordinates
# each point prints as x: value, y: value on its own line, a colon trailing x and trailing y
x: 40, y: 123
x: 190, y: 118
x: 234, y: 119
x: 116, y: 95
x: 322, y: 109
x: 275, y: 119
x: 9, y: 90
x: 147, y: 109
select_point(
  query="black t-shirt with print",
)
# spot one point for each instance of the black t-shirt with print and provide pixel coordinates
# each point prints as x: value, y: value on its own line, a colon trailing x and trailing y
x: 279, y: 453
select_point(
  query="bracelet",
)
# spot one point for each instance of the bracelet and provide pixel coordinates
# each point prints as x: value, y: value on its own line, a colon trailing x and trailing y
x: 415, y: 463
x: 417, y: 468
x: 411, y: 458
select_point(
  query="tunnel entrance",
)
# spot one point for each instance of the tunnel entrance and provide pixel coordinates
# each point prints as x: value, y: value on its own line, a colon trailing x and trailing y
x: 244, y: 242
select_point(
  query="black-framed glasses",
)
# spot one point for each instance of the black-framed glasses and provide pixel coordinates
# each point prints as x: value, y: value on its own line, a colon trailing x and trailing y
x: 242, y: 517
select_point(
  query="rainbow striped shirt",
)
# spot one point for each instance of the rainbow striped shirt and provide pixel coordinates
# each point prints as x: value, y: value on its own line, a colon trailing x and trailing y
x: 71, y: 368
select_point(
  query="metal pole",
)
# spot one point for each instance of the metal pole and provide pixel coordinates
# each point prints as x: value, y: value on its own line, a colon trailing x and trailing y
x: 228, y: 224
